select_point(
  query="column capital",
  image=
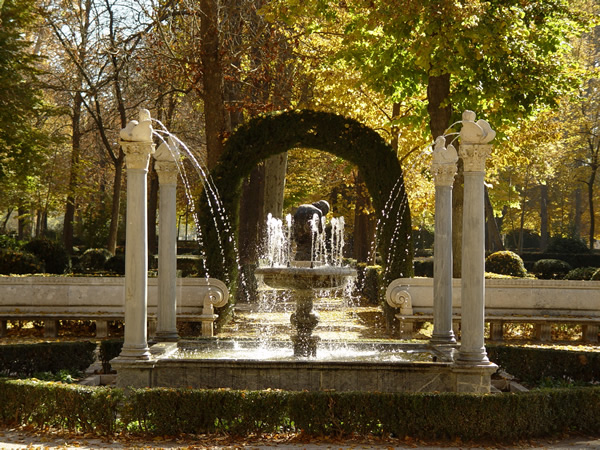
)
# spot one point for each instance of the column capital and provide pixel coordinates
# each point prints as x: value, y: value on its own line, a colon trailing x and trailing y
x: 474, y: 156
x: 167, y: 172
x: 443, y: 165
x: 443, y: 174
x: 137, y: 154
x: 165, y: 163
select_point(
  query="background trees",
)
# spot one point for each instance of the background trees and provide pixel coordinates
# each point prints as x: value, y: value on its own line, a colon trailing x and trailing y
x: 205, y: 67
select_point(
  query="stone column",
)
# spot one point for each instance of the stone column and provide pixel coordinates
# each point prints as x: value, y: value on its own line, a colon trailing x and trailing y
x: 474, y: 149
x: 136, y: 141
x: 443, y: 168
x: 166, y: 168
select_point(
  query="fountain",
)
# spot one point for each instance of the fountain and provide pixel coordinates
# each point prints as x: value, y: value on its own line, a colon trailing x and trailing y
x: 310, y: 270
x: 216, y: 363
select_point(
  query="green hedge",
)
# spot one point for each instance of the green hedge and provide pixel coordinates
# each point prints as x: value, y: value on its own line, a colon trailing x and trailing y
x: 161, y: 411
x: 534, y: 364
x: 109, y: 349
x: 369, y: 282
x: 67, y: 406
x: 573, y: 259
x: 28, y: 359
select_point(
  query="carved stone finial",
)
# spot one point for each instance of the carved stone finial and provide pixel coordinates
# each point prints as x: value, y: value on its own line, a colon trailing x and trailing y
x: 138, y: 131
x: 472, y: 132
x: 167, y: 150
x: 444, y: 161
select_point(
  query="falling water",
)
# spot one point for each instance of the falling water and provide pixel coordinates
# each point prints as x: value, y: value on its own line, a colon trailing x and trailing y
x: 217, y: 210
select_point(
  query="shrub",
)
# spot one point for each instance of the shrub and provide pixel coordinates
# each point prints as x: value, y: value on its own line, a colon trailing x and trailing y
x: 535, y: 364
x: 596, y: 275
x: 68, y: 406
x: 93, y: 259
x: 430, y: 415
x: 115, y: 264
x: 531, y: 239
x: 567, y: 245
x: 581, y: 273
x: 505, y: 263
x: 9, y: 242
x: 369, y: 282
x: 19, y: 262
x: 551, y: 269
x: 423, y: 267
x: 109, y: 349
x: 27, y: 359
x: 51, y: 253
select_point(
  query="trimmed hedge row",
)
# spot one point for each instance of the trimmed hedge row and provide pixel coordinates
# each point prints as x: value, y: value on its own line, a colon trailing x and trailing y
x: 28, y: 359
x: 573, y: 259
x: 533, y: 364
x: 67, y: 406
x: 497, y: 417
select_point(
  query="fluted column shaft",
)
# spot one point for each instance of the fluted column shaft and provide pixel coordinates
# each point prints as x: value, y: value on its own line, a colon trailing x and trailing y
x: 444, y: 170
x: 137, y: 156
x: 167, y: 251
x: 472, y: 349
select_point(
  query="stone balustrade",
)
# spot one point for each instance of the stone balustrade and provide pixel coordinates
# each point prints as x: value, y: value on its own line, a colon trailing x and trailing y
x: 50, y: 299
x: 541, y: 302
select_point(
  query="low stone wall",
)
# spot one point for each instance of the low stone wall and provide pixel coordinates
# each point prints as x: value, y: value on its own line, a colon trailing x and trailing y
x: 96, y: 298
x: 541, y: 302
x: 515, y: 296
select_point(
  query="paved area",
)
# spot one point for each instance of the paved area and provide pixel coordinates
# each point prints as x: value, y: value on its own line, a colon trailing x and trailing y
x: 11, y: 438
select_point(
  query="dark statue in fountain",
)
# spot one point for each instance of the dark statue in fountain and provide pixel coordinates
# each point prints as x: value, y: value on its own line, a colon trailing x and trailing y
x: 304, y: 277
x: 302, y: 229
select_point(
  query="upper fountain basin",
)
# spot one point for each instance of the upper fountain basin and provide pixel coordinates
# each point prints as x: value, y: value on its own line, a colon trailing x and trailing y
x: 320, y: 277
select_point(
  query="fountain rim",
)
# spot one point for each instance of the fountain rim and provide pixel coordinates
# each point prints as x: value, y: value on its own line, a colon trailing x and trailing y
x: 307, y: 271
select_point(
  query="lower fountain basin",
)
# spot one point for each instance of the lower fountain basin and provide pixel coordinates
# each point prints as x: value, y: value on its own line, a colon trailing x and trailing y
x: 183, y: 366
x: 302, y: 278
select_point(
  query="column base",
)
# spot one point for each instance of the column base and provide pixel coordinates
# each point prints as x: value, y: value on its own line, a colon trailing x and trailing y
x: 443, y: 338
x: 133, y: 374
x: 474, y: 378
x: 134, y: 353
x: 473, y: 358
x: 166, y: 336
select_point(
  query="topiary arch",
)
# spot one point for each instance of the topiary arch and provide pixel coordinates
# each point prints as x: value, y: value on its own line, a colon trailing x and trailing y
x: 265, y: 136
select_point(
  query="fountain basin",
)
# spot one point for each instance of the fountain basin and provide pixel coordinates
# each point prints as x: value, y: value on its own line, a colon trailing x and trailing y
x: 300, y: 278
x: 183, y: 366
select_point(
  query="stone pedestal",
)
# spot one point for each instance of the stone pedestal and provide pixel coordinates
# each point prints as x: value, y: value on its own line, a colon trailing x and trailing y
x: 166, y: 168
x: 304, y: 320
x: 137, y: 157
x: 444, y: 170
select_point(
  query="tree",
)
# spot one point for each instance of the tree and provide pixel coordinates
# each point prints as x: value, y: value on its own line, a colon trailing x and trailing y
x: 503, y: 59
x: 97, y: 41
x: 23, y: 109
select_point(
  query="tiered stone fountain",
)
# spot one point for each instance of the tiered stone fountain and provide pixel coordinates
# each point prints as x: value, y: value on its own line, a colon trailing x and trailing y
x: 304, y: 275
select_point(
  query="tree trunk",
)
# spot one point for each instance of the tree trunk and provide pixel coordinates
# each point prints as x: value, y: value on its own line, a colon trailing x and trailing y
x: 578, y: 213
x: 214, y: 109
x: 457, y: 220
x: 493, y: 233
x: 438, y: 93
x: 364, y: 229
x: 152, y: 209
x: 6, y: 219
x: 116, y: 204
x: 440, y: 113
x: 251, y: 218
x: 73, y: 173
x: 523, y: 204
x: 544, y: 235
x: 590, y: 185
x: 274, y: 179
